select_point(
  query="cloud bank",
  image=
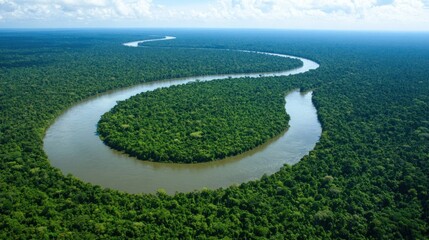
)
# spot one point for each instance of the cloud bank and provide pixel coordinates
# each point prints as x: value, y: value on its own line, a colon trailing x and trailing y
x: 289, y: 14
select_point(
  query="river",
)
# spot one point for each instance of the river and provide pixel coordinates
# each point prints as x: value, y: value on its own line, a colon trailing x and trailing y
x: 72, y: 145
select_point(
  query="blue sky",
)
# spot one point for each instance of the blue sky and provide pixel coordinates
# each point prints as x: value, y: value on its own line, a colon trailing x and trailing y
x: 389, y: 15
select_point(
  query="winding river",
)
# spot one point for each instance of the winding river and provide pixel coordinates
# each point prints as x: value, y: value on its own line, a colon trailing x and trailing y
x: 72, y: 145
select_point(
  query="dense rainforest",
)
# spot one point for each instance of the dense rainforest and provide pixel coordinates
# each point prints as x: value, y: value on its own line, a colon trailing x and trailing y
x: 197, y: 122
x: 366, y: 178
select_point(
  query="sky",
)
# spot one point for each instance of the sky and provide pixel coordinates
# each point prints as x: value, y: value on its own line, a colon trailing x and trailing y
x: 373, y: 15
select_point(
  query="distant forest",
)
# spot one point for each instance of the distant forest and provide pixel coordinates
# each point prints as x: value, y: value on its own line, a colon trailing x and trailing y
x: 367, y: 178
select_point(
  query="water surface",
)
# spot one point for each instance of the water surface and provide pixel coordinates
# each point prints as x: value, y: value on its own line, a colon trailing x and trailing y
x: 72, y: 145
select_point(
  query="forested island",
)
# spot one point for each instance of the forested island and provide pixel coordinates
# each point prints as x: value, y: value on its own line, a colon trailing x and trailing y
x: 367, y: 177
x: 196, y: 122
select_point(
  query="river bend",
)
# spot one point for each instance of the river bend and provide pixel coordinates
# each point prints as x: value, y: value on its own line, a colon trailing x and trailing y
x: 72, y: 145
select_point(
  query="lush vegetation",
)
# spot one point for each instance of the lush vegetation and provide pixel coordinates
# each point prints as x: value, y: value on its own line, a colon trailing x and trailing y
x: 196, y: 122
x: 366, y: 178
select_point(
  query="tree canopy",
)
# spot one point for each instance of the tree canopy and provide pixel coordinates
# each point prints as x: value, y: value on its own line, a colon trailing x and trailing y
x: 197, y: 122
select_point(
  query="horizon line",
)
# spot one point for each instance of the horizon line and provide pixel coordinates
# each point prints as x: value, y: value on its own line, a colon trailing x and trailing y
x: 214, y: 28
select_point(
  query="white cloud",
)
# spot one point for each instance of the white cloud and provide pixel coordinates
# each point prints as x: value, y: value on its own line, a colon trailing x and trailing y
x: 333, y: 14
x: 342, y: 14
x: 74, y: 9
